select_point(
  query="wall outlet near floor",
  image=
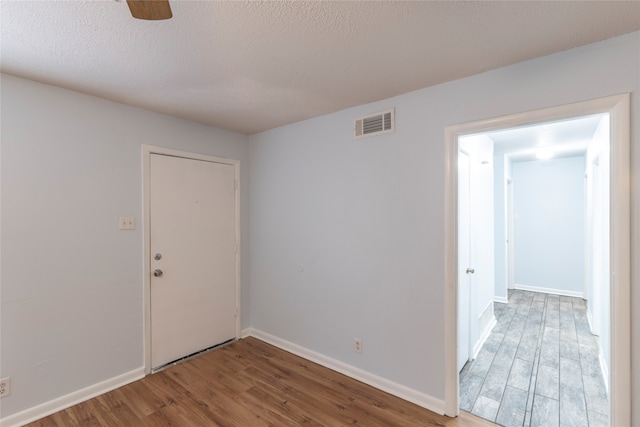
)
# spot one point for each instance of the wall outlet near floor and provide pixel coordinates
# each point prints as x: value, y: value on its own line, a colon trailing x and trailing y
x: 357, y: 345
x: 5, y: 387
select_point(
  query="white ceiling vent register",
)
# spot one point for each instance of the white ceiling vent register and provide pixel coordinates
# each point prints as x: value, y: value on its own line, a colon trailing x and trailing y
x: 375, y: 124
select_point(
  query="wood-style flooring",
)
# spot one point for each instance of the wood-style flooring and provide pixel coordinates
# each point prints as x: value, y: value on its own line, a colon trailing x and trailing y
x: 250, y: 383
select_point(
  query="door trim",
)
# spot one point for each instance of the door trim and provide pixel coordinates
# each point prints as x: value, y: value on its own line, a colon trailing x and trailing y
x: 618, y: 106
x: 147, y: 151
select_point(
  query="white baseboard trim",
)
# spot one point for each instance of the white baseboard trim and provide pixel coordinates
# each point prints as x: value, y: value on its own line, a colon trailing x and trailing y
x: 590, y: 320
x: 604, y: 369
x: 562, y: 292
x: 484, y: 336
x: 502, y: 300
x: 398, y: 390
x: 40, y: 411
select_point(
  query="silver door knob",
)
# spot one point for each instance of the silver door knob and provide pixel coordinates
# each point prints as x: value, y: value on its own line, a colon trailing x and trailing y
x: 157, y: 257
x: 469, y: 270
x: 157, y: 273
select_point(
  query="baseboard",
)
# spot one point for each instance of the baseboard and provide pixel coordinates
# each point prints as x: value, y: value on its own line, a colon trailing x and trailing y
x: 79, y: 396
x: 543, y: 290
x: 501, y: 300
x: 604, y: 368
x: 590, y: 321
x: 484, y: 336
x: 398, y: 390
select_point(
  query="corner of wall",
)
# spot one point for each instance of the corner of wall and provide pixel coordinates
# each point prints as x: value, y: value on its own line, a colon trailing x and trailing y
x: 414, y: 396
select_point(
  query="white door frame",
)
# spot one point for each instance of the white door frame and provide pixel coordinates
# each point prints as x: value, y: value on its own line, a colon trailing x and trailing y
x: 147, y: 151
x: 618, y: 106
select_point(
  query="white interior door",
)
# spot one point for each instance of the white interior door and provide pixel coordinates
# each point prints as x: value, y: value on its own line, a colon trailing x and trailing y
x: 193, y: 260
x: 464, y: 258
x: 511, y: 264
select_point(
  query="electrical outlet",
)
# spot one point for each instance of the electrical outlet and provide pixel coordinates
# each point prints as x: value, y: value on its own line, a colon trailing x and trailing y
x: 357, y: 345
x: 127, y: 223
x: 5, y: 387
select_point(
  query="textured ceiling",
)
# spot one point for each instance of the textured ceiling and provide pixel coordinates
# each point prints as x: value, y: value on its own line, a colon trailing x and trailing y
x: 252, y: 66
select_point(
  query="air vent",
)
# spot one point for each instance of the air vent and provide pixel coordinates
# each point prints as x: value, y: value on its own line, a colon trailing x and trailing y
x: 375, y: 124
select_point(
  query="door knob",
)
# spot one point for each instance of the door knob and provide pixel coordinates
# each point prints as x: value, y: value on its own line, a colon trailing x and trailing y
x: 469, y: 270
x: 157, y: 257
x: 157, y: 273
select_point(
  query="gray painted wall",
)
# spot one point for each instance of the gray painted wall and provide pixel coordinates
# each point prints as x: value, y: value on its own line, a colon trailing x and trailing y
x: 366, y: 217
x: 549, y: 213
x: 72, y: 307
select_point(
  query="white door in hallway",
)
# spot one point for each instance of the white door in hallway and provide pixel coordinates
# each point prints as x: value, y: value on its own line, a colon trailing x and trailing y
x: 464, y: 258
x: 511, y: 269
x: 192, y: 219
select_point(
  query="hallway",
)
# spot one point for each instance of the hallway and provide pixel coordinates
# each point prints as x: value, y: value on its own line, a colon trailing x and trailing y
x: 539, y: 366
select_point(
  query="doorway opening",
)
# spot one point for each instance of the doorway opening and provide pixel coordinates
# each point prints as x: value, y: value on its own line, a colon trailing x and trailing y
x: 614, y: 301
x: 531, y: 201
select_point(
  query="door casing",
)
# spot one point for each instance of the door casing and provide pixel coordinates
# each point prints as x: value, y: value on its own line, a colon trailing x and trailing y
x: 618, y: 107
x: 147, y: 151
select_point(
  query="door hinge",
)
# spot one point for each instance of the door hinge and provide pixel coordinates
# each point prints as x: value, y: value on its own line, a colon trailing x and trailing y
x: 235, y: 184
x: 237, y: 311
x: 236, y: 250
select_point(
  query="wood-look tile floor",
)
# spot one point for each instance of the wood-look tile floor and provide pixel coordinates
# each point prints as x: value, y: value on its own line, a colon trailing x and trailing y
x: 250, y: 383
x: 539, y: 367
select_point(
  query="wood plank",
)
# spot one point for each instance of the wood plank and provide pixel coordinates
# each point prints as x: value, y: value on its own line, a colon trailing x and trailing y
x: 140, y: 399
x: 250, y: 383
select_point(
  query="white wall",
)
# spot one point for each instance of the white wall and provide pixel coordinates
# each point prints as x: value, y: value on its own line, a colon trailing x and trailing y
x: 501, y: 174
x: 499, y: 212
x: 72, y: 311
x: 598, y: 254
x: 366, y: 217
x: 549, y: 210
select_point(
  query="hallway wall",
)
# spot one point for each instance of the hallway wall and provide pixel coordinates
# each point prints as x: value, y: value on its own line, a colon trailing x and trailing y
x: 598, y: 284
x: 549, y: 213
x: 348, y: 235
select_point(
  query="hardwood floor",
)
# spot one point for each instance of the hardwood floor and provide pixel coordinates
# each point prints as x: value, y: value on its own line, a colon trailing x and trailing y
x: 250, y: 383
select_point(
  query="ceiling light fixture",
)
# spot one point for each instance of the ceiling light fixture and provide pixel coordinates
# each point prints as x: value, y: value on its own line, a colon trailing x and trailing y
x: 544, y: 153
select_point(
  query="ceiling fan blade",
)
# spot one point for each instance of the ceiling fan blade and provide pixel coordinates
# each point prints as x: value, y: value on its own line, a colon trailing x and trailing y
x: 150, y: 9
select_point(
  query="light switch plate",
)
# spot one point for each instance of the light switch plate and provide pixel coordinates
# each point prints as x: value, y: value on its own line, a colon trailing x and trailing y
x: 127, y: 223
